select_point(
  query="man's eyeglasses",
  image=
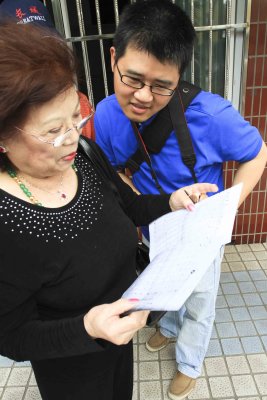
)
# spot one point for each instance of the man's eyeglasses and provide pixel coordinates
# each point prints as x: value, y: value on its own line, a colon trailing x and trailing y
x: 61, y: 138
x: 135, y: 83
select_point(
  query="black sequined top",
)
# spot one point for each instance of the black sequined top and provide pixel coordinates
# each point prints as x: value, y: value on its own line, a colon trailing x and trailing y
x: 55, y: 264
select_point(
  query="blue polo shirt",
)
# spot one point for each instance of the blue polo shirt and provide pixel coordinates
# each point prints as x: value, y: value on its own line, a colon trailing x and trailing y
x: 219, y: 133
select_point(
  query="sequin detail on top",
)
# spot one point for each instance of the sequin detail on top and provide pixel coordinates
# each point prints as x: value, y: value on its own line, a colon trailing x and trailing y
x: 57, y: 224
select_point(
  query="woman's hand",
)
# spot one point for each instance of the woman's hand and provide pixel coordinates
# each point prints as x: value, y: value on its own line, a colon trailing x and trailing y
x: 105, y: 321
x: 188, y: 195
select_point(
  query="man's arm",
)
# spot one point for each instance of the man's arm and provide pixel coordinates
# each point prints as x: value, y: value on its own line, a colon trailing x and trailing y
x: 250, y: 172
x: 129, y: 182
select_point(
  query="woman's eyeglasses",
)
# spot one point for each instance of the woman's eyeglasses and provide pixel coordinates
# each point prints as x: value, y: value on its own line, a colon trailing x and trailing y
x: 61, y: 138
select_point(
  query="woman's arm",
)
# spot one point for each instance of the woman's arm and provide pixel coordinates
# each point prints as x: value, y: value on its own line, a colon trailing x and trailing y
x: 146, y: 208
x: 24, y: 336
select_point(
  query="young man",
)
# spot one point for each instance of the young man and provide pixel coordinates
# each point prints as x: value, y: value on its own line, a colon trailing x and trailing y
x: 152, y: 47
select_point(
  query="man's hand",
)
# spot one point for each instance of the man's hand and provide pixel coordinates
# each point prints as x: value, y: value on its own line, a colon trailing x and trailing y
x: 250, y: 172
x: 129, y: 182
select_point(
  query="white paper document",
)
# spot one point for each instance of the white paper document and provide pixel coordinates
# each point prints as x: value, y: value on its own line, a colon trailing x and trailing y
x: 183, y: 245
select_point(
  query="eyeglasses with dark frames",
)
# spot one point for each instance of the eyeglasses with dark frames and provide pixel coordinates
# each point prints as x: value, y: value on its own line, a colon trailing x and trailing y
x: 136, y: 83
x: 61, y: 138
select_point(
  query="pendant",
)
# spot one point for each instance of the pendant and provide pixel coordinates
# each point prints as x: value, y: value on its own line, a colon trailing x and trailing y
x: 62, y: 195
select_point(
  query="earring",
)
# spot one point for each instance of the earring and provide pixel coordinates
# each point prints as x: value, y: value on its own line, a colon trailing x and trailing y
x: 3, y: 149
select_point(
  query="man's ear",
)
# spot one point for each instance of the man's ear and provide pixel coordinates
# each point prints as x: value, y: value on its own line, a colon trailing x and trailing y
x: 112, y: 57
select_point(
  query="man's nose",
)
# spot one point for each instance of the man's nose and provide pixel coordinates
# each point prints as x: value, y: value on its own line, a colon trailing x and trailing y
x: 144, y: 94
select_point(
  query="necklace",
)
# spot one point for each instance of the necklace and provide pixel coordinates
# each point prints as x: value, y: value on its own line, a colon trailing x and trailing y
x: 25, y: 190
x: 59, y: 191
x: 12, y: 173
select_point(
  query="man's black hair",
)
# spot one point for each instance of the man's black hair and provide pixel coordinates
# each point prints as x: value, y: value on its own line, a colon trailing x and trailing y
x: 157, y: 27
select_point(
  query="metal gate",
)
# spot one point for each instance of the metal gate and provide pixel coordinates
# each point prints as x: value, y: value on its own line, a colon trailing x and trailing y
x: 220, y: 54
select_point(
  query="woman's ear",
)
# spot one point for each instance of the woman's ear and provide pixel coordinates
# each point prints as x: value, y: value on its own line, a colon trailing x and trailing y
x: 3, y: 148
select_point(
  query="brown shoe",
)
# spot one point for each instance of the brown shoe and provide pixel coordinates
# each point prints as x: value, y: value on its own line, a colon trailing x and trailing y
x: 181, y: 386
x: 157, y: 342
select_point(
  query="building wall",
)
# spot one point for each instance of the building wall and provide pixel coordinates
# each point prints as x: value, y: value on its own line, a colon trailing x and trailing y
x: 251, y: 222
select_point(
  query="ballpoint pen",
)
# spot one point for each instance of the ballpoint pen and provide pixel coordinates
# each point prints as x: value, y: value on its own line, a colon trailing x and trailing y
x: 190, y: 197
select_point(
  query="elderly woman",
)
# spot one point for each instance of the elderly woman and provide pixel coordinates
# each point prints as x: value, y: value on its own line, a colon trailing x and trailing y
x: 67, y: 246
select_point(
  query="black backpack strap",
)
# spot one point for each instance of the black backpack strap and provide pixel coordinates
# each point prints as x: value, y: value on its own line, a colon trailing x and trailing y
x: 182, y: 134
x: 145, y: 155
x: 184, y: 95
x: 153, y: 140
x: 188, y: 92
x: 134, y: 161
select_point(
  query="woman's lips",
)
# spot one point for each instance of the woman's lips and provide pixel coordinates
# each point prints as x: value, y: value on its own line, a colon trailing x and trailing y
x: 70, y: 156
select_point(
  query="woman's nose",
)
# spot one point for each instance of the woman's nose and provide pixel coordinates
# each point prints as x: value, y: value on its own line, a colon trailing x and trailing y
x: 73, y: 136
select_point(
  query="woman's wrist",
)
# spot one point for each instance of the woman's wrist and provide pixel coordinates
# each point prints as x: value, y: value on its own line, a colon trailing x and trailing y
x: 87, y: 326
x: 171, y: 203
x: 175, y: 202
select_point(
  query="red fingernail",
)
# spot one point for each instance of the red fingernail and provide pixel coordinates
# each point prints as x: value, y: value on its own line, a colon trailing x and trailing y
x: 190, y: 207
x: 133, y: 299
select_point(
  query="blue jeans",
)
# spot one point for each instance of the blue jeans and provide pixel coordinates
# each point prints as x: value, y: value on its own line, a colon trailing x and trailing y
x: 192, y: 324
